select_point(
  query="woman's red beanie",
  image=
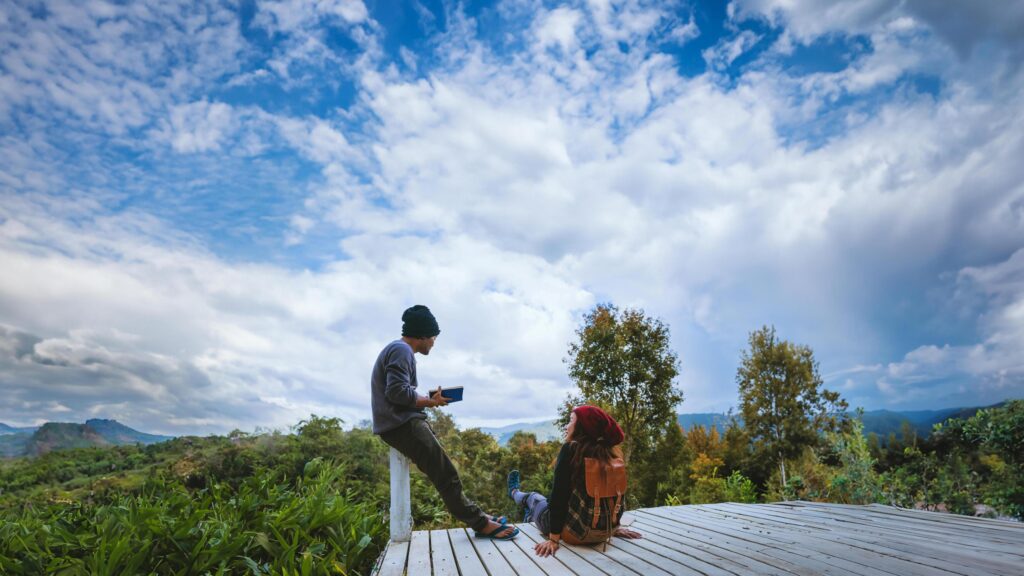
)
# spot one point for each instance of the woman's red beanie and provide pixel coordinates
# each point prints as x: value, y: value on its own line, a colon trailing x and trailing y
x: 597, y: 424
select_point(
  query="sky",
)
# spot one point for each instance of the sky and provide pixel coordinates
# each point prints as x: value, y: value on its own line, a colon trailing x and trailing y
x: 212, y: 214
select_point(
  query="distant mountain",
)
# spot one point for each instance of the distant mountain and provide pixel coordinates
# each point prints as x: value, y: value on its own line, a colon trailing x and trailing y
x: 12, y: 445
x: 544, y: 430
x: 63, y: 435
x: 5, y: 429
x: 884, y: 422
x: 705, y: 419
x: 116, y: 433
x: 881, y: 422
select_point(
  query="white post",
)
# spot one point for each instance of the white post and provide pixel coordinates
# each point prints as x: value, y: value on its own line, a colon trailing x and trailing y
x: 401, y: 502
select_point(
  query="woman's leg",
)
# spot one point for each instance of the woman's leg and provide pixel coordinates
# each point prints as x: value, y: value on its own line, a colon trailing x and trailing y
x: 535, y: 502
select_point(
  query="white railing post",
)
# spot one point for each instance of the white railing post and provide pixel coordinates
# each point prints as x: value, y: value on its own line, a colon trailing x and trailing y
x: 401, y: 502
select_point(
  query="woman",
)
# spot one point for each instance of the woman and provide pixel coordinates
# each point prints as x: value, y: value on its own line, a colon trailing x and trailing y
x: 591, y: 433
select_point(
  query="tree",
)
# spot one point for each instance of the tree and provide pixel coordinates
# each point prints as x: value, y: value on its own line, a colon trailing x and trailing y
x: 623, y: 363
x: 784, y: 406
x: 666, y: 469
x: 703, y: 440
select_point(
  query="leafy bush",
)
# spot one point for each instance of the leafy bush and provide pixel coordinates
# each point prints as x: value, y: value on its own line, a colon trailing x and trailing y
x: 739, y: 488
x: 855, y: 481
x: 261, y: 527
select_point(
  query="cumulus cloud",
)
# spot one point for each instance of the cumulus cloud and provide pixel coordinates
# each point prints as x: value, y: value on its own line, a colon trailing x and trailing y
x: 511, y: 189
x: 185, y: 335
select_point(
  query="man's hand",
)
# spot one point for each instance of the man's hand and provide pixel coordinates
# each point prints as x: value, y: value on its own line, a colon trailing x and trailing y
x: 438, y: 399
x: 433, y: 401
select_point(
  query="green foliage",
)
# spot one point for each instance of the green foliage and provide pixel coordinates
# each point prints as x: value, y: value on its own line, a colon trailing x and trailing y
x: 739, y: 488
x: 855, y: 481
x: 998, y: 434
x: 622, y: 362
x: 707, y: 486
x: 665, y: 472
x: 784, y: 407
x: 262, y: 527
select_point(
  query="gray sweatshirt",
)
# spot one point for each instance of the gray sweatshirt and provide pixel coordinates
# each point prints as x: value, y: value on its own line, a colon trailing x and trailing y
x: 393, y: 388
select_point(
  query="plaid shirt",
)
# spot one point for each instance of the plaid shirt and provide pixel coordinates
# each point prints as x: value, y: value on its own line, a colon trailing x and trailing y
x: 580, y: 517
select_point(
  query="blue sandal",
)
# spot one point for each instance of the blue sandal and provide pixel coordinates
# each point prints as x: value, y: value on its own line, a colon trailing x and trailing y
x: 493, y: 534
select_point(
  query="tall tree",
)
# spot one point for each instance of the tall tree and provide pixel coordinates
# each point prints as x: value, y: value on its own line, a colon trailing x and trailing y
x: 785, y: 408
x: 622, y: 362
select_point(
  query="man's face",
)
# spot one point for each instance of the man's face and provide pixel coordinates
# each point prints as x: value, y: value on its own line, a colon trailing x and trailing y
x: 426, y: 344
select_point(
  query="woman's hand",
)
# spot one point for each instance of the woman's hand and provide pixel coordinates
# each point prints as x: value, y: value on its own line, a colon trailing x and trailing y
x: 627, y: 533
x: 546, y: 548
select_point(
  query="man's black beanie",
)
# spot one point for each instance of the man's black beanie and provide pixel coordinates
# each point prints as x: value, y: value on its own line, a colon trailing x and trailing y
x: 418, y: 322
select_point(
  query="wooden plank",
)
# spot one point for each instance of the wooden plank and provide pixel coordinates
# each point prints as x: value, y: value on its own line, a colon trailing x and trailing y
x: 805, y: 544
x: 947, y: 544
x: 956, y: 536
x: 720, y: 557
x: 566, y: 554
x: 991, y: 537
x: 466, y: 558
x: 605, y: 563
x: 755, y: 551
x: 442, y: 558
x: 521, y: 564
x: 393, y: 563
x: 912, y: 518
x: 673, y: 561
x: 924, y: 519
x: 419, y: 553
x: 401, y: 505
x: 1010, y: 525
x: 944, y: 553
x: 768, y: 545
x: 636, y: 563
x: 812, y: 545
x: 551, y: 565
x: 953, y: 550
x: 615, y: 565
x: 695, y: 558
x: 493, y: 560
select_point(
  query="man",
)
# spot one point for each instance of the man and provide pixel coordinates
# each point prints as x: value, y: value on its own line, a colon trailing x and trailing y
x: 399, y: 419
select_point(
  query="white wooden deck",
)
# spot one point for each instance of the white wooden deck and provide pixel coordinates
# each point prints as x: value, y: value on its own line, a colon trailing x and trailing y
x: 724, y: 539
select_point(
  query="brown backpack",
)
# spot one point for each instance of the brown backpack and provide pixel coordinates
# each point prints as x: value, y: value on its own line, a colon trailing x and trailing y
x: 593, y: 516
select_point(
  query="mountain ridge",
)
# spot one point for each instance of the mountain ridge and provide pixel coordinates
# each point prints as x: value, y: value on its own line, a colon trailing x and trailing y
x: 881, y: 422
x: 64, y: 435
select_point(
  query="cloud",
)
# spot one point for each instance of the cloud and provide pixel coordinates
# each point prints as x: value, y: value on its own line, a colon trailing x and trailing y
x: 287, y: 16
x: 808, y: 19
x: 96, y: 65
x: 198, y: 127
x: 983, y: 372
x: 964, y: 25
x: 162, y: 334
x: 227, y: 245
x: 558, y: 28
x: 723, y: 54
